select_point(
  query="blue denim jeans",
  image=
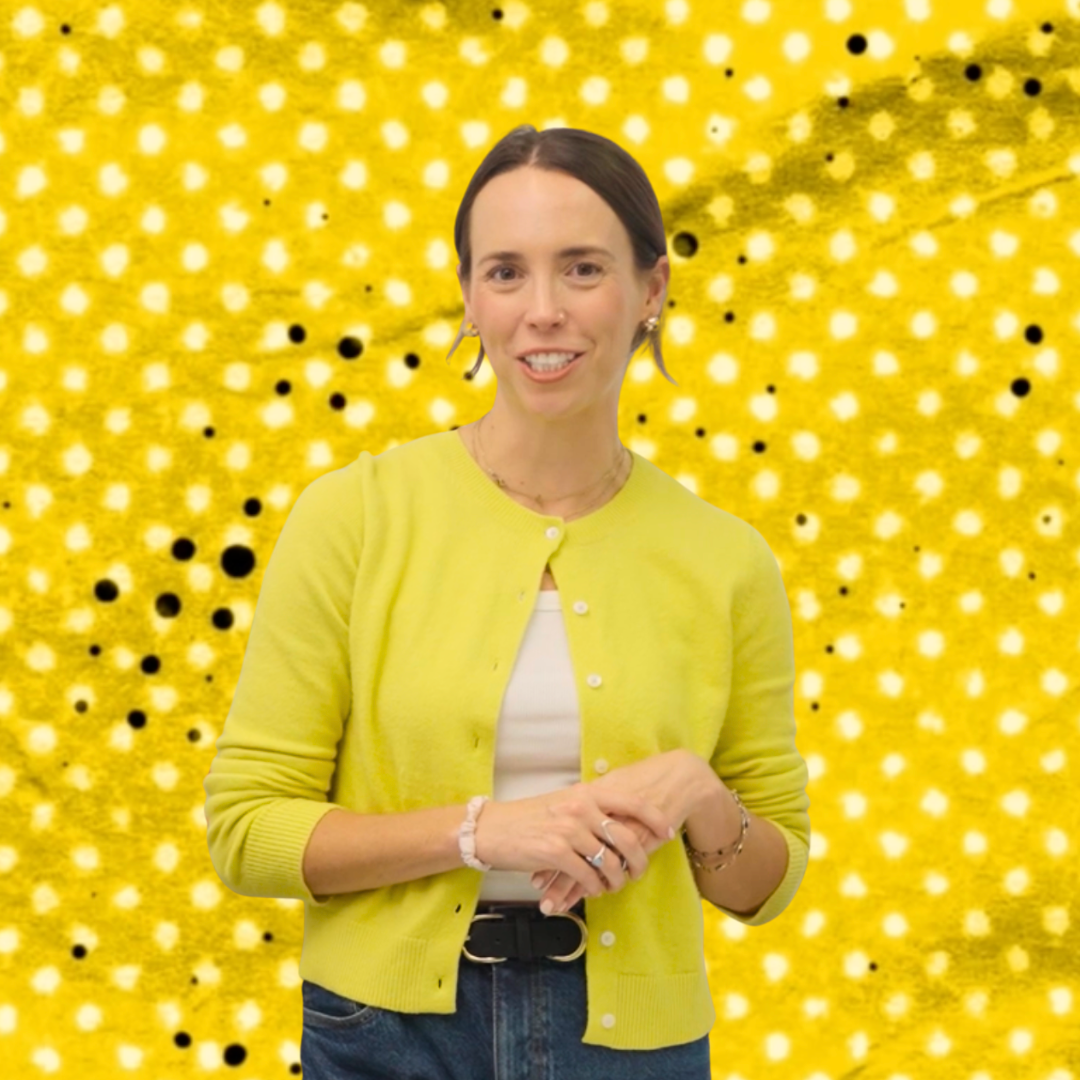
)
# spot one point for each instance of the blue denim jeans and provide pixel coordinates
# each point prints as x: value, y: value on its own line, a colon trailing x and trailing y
x: 516, y: 1020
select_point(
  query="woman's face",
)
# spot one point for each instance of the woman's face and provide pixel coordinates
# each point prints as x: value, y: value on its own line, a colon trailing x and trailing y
x: 591, y: 302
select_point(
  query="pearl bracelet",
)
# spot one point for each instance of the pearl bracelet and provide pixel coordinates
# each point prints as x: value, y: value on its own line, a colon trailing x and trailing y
x: 467, y: 834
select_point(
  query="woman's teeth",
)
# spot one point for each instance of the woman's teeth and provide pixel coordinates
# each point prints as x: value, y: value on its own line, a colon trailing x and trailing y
x: 549, y: 361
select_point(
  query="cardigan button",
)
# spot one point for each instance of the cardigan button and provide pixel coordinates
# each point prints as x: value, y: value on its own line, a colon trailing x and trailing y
x: 609, y: 1020
x: 552, y: 532
x: 593, y: 680
x: 580, y: 607
x: 601, y: 766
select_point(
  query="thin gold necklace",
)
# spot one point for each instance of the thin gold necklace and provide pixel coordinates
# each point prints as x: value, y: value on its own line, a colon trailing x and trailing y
x: 612, y: 472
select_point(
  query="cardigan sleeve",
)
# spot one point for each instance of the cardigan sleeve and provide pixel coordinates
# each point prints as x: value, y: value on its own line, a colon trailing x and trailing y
x: 756, y: 753
x: 268, y: 783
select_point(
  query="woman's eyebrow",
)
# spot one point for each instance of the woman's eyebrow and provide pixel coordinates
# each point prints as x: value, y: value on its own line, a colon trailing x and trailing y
x: 588, y: 249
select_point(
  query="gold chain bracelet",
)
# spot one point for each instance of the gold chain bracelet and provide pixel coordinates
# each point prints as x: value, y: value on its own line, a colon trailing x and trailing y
x: 696, y: 856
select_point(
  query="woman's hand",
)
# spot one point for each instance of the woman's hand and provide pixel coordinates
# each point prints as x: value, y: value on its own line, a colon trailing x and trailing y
x: 558, y: 831
x: 674, y: 781
x: 564, y: 892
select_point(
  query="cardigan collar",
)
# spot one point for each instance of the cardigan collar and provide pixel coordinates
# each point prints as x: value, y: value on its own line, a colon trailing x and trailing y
x: 618, y: 511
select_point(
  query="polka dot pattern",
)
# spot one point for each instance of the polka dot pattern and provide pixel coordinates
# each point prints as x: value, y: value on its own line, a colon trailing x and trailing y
x: 229, y: 268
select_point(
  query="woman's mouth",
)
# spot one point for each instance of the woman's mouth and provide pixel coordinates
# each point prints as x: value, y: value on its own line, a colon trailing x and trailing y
x: 549, y: 372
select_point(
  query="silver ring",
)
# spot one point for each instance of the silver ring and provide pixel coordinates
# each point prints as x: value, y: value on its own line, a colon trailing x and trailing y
x: 598, y: 859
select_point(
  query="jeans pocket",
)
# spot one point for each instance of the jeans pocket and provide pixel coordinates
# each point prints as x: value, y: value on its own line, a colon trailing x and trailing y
x: 324, y: 1008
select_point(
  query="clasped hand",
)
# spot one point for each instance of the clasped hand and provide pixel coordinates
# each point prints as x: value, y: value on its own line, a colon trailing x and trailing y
x: 673, y: 782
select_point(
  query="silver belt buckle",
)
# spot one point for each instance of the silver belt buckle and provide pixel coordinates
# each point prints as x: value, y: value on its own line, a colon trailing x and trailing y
x: 502, y: 959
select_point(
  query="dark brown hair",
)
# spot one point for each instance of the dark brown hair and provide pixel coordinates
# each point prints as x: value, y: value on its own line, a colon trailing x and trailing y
x: 602, y: 164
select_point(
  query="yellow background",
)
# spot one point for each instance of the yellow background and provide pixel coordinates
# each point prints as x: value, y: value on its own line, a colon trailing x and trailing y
x: 873, y: 323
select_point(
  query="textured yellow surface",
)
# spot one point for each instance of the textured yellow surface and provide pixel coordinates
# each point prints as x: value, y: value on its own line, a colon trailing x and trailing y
x: 874, y: 228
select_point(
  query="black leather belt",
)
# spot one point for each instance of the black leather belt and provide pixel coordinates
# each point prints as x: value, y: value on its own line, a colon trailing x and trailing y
x: 525, y: 933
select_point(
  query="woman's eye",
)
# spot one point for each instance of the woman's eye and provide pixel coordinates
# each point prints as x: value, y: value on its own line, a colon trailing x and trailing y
x: 500, y: 269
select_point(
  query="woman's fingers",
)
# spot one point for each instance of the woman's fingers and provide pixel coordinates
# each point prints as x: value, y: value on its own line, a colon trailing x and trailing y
x: 656, y: 820
x: 562, y: 900
x: 571, y: 899
x: 565, y: 891
x: 561, y: 890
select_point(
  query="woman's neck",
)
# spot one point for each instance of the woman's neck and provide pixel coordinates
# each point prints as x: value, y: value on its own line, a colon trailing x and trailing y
x: 562, y: 496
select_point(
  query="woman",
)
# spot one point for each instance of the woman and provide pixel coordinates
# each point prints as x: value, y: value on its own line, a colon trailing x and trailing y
x: 396, y: 667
